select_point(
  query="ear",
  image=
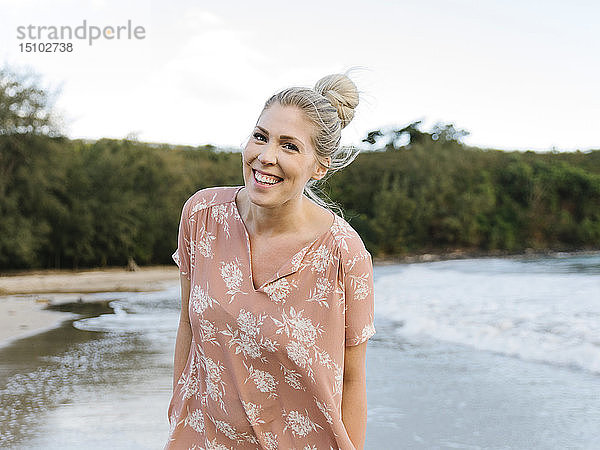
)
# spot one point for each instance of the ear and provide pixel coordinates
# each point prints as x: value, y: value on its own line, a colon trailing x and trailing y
x: 320, y: 171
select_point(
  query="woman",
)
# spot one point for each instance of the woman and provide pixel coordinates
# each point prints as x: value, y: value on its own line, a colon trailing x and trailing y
x: 277, y: 292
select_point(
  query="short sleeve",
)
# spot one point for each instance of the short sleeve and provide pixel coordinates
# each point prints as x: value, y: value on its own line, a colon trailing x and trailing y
x: 182, y: 255
x: 359, y: 294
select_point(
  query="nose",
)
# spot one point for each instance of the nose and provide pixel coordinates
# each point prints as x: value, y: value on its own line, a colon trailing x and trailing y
x: 268, y: 154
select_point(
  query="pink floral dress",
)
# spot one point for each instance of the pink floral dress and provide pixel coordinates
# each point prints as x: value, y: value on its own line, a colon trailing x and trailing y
x: 265, y: 367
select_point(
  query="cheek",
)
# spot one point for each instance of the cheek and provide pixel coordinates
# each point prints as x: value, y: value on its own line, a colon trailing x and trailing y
x: 251, y: 152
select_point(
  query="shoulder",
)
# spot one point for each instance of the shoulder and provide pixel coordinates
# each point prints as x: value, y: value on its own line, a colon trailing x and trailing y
x: 349, y: 245
x: 208, y: 197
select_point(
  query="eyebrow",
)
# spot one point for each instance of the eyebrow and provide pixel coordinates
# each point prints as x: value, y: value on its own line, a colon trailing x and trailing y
x: 282, y: 136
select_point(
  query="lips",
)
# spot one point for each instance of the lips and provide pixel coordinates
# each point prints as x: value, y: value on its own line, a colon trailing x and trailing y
x: 262, y: 184
x: 266, y: 173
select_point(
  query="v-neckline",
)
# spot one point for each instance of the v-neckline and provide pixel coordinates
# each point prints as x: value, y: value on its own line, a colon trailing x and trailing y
x: 288, y: 267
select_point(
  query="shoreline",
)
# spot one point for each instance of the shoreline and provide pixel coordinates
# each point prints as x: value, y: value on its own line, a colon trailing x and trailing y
x: 112, y: 279
x: 411, y: 258
x: 30, y: 301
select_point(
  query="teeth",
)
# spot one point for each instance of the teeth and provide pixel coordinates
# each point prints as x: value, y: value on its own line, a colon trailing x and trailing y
x: 265, y: 178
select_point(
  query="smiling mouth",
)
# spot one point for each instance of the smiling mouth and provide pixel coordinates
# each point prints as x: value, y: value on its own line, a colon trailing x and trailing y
x: 265, y: 180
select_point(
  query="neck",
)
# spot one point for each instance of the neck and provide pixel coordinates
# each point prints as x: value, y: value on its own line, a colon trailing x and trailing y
x: 285, y: 219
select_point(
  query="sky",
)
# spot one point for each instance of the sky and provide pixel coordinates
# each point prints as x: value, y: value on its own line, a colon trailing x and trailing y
x: 516, y: 75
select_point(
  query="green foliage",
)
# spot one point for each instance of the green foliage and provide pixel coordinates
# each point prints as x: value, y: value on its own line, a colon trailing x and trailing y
x: 406, y: 137
x: 71, y: 203
x: 25, y: 107
x: 439, y: 195
x: 77, y: 204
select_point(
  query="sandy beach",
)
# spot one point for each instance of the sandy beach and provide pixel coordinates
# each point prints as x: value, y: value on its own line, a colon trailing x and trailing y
x: 26, y: 297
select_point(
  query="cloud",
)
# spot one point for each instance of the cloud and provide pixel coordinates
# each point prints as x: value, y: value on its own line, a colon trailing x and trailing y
x: 212, y: 64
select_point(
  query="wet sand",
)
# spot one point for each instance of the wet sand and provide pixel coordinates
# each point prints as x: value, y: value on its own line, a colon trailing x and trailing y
x: 29, y: 300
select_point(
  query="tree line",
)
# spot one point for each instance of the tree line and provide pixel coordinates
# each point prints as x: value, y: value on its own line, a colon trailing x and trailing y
x: 69, y: 203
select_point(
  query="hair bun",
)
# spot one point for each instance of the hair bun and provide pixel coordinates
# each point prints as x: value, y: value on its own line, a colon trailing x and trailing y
x: 342, y: 93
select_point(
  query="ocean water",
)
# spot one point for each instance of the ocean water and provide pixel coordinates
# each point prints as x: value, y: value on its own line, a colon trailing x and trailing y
x: 498, y: 353
x: 535, y: 309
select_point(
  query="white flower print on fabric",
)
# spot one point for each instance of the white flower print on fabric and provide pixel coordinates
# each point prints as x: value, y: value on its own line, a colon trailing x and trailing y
x: 278, y: 290
x: 340, y: 294
x: 193, y: 247
x: 228, y: 430
x: 235, y: 213
x: 201, y: 300
x: 321, y: 258
x: 360, y: 285
x: 214, y: 445
x: 299, y: 424
x: 196, y: 447
x: 359, y: 295
x: 195, y: 420
x: 173, y: 424
x: 292, y: 378
x: 298, y: 327
x: 326, y: 410
x: 203, y: 204
x: 366, y: 333
x: 204, y: 243
x: 321, y: 292
x: 338, y: 378
x: 249, y: 323
x: 270, y: 440
x: 253, y: 411
x: 342, y: 231
x: 298, y: 259
x: 325, y: 360
x: 190, y: 379
x: 220, y: 214
x: 364, y: 254
x: 303, y: 330
x: 208, y: 331
x: 215, y: 386
x: 305, y: 334
x: 232, y: 276
x: 245, y: 338
x: 300, y: 355
x: 264, y: 381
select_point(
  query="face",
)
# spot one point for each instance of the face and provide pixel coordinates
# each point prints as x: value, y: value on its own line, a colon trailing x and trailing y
x: 280, y: 147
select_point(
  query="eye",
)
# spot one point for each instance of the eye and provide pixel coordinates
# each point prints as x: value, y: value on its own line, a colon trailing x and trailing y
x: 291, y: 146
x: 259, y: 136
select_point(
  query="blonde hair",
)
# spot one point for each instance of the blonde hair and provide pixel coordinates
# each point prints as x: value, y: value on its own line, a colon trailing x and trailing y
x: 329, y: 107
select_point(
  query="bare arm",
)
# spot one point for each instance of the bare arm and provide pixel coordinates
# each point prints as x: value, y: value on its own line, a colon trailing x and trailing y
x: 184, y: 332
x: 354, y: 394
